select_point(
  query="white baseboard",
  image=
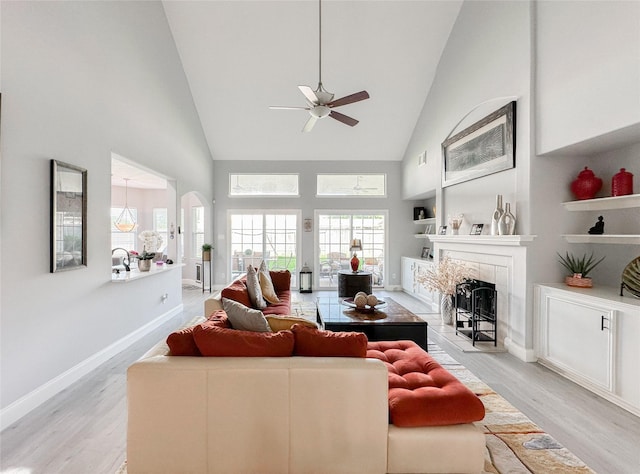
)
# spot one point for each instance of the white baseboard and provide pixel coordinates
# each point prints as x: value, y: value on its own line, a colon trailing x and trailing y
x: 522, y: 353
x: 13, y: 412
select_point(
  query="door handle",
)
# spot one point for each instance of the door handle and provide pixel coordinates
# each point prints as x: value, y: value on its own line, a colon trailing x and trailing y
x: 602, y: 320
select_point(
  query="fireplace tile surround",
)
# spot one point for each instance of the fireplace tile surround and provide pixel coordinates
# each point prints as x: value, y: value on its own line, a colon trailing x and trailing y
x: 501, y: 260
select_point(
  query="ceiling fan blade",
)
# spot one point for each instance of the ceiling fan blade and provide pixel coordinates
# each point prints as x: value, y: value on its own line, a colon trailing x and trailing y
x: 284, y: 107
x: 309, y: 94
x: 349, y: 99
x: 310, y: 123
x: 343, y: 118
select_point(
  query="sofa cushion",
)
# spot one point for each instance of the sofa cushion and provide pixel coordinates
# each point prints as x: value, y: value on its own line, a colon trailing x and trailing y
x: 266, y: 285
x: 237, y: 291
x: 319, y: 343
x: 181, y: 342
x: 254, y: 290
x: 281, y: 323
x: 244, y: 318
x: 421, y: 392
x: 213, y: 341
x: 281, y: 280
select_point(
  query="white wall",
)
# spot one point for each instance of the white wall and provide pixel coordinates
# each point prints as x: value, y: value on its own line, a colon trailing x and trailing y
x: 400, y: 225
x: 82, y: 80
x: 587, y: 70
x: 486, y: 58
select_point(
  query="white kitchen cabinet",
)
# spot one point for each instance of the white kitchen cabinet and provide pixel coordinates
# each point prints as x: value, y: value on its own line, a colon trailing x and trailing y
x: 411, y: 268
x: 590, y: 336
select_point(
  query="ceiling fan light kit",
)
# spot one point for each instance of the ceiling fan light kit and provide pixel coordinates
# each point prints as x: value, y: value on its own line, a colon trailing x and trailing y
x: 320, y: 101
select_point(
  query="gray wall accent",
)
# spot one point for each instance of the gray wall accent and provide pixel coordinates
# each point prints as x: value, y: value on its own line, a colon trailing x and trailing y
x: 82, y: 80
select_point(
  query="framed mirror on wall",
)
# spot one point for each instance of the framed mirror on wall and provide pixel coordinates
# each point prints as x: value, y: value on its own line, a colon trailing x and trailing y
x: 68, y: 217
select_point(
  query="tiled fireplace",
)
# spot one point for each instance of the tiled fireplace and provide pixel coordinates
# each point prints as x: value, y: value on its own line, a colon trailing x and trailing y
x: 501, y: 260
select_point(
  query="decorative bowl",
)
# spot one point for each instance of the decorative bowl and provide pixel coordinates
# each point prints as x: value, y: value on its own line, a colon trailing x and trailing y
x: 349, y: 302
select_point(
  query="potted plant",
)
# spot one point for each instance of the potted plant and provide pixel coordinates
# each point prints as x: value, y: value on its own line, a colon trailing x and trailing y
x: 144, y: 259
x: 206, y: 252
x: 579, y: 267
x: 444, y: 278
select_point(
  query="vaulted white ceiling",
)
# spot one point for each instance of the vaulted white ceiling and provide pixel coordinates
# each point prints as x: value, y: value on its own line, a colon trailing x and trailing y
x: 240, y: 57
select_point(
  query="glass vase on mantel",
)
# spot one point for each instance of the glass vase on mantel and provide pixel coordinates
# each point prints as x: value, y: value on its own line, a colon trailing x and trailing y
x: 447, y: 309
x: 497, y: 214
x: 507, y: 222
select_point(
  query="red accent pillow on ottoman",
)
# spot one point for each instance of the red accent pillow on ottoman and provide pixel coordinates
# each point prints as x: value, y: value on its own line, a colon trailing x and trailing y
x: 421, y: 392
x: 317, y: 343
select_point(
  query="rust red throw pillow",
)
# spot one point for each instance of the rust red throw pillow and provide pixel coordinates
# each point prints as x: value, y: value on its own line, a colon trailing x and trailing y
x: 237, y: 291
x: 181, y: 342
x: 317, y: 343
x: 281, y: 280
x: 215, y: 341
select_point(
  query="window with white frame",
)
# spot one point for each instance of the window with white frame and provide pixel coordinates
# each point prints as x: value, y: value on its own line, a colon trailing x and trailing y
x: 336, y: 229
x: 197, y: 230
x: 269, y: 236
x: 351, y: 184
x: 263, y: 184
x: 160, y: 218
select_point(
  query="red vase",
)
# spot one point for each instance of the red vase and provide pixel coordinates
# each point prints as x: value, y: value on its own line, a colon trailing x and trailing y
x: 586, y: 184
x: 355, y: 263
x: 622, y: 183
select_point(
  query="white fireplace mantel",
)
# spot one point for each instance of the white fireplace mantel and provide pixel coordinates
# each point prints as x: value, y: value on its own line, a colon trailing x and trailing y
x: 504, y: 240
x: 502, y: 260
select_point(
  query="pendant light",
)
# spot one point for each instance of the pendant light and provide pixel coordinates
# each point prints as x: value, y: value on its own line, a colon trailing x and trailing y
x: 125, y: 221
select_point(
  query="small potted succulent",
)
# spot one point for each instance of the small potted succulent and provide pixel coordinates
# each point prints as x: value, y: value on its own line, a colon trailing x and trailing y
x: 206, y: 252
x: 579, y: 267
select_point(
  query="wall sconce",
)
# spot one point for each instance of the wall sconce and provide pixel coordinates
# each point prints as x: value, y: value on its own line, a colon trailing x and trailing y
x: 306, y: 279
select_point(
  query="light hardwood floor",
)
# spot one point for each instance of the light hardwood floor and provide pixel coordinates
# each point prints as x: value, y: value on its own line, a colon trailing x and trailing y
x: 82, y: 430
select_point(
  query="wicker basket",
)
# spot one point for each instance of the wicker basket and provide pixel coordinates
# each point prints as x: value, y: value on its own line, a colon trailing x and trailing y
x: 579, y: 282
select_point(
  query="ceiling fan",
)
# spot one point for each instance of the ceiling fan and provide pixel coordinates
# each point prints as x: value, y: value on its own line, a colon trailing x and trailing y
x: 320, y: 103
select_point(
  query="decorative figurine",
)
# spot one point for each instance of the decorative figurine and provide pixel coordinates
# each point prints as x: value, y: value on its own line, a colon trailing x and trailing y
x: 598, y: 228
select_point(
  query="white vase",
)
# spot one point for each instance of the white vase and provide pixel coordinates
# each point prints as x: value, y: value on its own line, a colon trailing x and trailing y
x: 446, y: 309
x: 497, y: 214
x: 507, y: 223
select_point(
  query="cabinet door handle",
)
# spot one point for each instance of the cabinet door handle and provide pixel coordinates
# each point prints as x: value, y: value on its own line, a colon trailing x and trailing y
x: 602, y: 320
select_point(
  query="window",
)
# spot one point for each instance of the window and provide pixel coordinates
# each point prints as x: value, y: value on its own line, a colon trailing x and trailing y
x: 125, y: 240
x: 160, y: 226
x: 263, y: 184
x: 335, y: 231
x: 269, y: 236
x: 328, y: 185
x: 197, y: 230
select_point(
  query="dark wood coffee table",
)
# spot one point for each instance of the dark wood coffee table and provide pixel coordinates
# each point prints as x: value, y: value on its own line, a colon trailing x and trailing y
x: 392, y: 322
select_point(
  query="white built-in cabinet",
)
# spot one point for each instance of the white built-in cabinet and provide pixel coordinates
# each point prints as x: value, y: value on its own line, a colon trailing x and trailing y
x: 590, y: 336
x: 411, y: 269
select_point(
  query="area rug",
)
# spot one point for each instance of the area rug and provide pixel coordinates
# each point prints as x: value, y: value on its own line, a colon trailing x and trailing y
x: 514, y: 443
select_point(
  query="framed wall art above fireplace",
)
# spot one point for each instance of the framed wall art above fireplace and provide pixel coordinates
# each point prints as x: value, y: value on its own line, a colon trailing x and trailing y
x: 486, y: 147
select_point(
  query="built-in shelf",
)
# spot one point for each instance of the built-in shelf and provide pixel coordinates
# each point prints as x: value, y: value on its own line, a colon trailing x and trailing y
x: 601, y: 204
x: 429, y: 220
x: 623, y: 239
x: 504, y: 240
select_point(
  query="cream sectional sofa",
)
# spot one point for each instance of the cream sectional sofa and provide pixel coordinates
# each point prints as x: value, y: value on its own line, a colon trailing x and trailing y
x: 279, y: 415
